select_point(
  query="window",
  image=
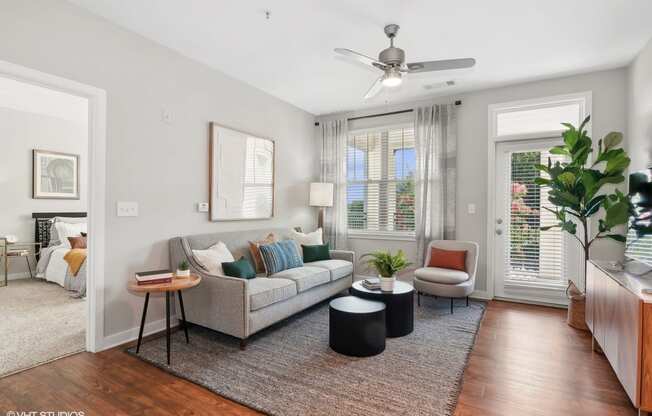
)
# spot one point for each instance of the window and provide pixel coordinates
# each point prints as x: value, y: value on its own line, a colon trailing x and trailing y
x: 381, y: 167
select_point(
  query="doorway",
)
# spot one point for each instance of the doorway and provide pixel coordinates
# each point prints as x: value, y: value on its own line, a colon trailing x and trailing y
x: 91, y: 178
x: 529, y: 264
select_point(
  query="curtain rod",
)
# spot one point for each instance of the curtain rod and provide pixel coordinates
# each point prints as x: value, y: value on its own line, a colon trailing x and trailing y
x: 457, y: 102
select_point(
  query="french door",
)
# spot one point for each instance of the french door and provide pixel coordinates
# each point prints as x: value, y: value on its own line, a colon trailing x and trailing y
x: 529, y: 264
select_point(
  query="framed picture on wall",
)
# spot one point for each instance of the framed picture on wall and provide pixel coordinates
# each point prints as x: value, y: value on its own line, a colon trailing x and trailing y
x: 55, y: 175
x: 241, y: 175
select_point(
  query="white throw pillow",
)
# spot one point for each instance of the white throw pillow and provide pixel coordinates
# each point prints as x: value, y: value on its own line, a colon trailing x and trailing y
x: 213, y: 257
x: 54, y: 235
x: 65, y: 230
x: 310, y: 239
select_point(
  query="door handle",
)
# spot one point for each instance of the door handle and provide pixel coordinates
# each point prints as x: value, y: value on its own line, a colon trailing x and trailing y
x: 499, y: 231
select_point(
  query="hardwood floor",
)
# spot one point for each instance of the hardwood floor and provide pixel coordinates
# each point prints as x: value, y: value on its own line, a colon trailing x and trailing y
x: 526, y: 361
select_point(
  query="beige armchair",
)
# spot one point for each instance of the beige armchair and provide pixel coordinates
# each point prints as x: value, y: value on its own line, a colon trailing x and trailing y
x: 448, y: 283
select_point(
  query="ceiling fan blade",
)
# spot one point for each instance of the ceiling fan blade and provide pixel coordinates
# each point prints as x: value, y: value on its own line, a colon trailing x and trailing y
x: 375, y: 88
x: 442, y: 65
x: 361, y: 58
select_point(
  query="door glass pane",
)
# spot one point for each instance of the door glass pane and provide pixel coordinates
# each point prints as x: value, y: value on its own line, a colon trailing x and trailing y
x: 537, y: 119
x: 532, y: 254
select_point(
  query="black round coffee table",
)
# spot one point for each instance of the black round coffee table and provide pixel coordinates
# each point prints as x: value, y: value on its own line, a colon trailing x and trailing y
x: 357, y: 326
x: 399, y: 316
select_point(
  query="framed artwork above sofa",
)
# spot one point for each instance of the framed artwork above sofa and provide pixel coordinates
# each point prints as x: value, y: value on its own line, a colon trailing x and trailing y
x: 241, y: 175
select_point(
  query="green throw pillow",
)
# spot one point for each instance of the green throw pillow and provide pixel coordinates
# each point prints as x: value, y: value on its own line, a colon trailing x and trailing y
x: 316, y: 253
x: 239, y: 268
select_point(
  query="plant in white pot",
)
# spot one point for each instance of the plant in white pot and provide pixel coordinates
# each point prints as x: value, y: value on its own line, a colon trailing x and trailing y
x: 387, y: 265
x: 576, y: 189
x: 183, y: 270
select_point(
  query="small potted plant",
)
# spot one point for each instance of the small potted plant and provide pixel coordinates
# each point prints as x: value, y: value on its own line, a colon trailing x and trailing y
x: 183, y: 269
x: 387, y: 265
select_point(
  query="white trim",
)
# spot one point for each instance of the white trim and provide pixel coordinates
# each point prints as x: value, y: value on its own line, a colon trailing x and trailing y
x: 481, y: 294
x: 585, y: 99
x: 96, y: 184
x: 379, y: 235
x: 131, y: 334
x: 381, y: 128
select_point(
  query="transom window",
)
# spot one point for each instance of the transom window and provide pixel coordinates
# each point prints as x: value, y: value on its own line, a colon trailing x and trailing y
x: 381, y: 165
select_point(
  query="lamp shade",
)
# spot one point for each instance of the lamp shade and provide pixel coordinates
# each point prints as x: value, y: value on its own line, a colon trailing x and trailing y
x: 321, y: 194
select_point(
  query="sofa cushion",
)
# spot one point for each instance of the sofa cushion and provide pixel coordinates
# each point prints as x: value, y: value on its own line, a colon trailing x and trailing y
x: 305, y: 277
x: 439, y: 275
x: 264, y: 292
x: 337, y: 268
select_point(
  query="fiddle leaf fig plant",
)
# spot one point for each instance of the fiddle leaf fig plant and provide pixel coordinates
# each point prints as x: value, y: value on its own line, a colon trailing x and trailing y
x: 576, y: 186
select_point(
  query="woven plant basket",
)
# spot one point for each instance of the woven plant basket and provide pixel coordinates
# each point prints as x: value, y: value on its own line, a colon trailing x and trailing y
x: 576, y: 307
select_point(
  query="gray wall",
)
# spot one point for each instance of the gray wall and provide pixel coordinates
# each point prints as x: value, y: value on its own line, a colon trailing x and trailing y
x: 639, y: 141
x: 162, y: 166
x: 609, y: 100
x: 20, y: 132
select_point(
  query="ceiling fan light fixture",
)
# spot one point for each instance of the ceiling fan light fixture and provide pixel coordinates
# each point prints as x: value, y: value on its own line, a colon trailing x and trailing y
x: 392, y: 78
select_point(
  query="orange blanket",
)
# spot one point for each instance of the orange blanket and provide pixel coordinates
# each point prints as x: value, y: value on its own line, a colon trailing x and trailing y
x: 75, y: 258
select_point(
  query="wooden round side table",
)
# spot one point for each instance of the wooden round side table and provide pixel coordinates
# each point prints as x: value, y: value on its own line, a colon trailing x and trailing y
x: 176, y: 285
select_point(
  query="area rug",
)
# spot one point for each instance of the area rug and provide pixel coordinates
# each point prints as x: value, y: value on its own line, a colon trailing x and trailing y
x: 289, y: 369
x: 39, y: 322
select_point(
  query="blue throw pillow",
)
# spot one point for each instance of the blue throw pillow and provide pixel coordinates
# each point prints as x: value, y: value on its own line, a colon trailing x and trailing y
x: 280, y: 256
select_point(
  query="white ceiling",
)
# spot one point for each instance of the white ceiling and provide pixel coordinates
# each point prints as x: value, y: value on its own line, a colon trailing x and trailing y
x: 291, y: 55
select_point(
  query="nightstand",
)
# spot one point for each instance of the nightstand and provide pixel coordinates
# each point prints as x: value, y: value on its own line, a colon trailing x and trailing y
x: 15, y: 250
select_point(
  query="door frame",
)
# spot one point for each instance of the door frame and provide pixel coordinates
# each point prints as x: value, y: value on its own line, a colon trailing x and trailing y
x: 584, y: 99
x: 96, y: 187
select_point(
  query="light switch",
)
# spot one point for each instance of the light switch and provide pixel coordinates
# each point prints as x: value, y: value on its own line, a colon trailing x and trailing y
x: 471, y: 208
x: 202, y: 207
x: 127, y: 209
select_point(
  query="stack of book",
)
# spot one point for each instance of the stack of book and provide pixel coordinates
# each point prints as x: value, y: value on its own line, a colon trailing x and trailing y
x: 371, y: 284
x: 153, y: 277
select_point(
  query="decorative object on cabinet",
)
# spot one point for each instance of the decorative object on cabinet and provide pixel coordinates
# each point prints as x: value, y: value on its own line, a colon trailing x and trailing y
x: 576, y: 189
x: 241, y: 174
x: 55, y: 175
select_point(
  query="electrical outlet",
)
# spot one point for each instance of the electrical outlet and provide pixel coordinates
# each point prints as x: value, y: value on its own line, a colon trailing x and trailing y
x: 202, y: 207
x: 127, y: 209
x: 471, y: 209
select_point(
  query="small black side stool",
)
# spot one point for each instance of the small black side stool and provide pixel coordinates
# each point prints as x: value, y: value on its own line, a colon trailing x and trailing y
x: 357, y: 326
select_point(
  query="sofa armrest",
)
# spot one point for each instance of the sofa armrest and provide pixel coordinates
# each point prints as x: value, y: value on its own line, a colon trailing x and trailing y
x: 343, y: 255
x: 221, y: 303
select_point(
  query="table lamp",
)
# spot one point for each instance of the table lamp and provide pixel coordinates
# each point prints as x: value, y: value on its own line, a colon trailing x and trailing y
x: 321, y: 195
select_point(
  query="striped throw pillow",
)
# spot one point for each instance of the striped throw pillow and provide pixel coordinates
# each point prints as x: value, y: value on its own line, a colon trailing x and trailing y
x: 280, y: 256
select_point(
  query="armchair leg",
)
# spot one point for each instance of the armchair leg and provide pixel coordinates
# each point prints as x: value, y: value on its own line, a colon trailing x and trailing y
x: 467, y: 301
x: 452, y: 300
x: 418, y: 298
x: 243, y: 344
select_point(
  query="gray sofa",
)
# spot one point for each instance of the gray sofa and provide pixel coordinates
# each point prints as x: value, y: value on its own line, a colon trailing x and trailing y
x: 241, y: 307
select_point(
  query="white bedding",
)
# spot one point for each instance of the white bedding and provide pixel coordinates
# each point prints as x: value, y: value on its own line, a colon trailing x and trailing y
x: 53, y: 268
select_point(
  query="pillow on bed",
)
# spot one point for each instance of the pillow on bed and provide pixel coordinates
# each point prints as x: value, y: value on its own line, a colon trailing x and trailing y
x: 78, y: 242
x: 54, y: 235
x: 65, y: 230
x: 213, y: 257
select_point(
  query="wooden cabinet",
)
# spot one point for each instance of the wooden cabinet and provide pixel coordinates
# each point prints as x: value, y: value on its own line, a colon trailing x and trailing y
x: 620, y: 318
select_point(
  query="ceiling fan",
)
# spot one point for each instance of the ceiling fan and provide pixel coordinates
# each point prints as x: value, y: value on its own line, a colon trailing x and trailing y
x: 392, y: 62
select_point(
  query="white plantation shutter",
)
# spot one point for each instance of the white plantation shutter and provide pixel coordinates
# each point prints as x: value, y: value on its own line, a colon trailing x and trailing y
x: 380, y: 180
x: 532, y: 254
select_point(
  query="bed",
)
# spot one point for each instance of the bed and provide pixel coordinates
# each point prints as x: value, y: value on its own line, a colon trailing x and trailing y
x: 51, y: 264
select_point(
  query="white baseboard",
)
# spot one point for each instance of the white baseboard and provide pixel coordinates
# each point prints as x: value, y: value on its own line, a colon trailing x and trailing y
x: 132, y: 334
x: 481, y: 294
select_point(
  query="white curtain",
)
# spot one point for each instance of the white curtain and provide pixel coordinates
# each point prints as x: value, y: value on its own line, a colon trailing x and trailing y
x: 333, y: 170
x: 435, y: 129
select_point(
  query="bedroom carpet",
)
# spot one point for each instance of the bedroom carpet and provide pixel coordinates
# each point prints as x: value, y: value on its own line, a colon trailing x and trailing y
x: 290, y: 370
x: 39, y: 322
